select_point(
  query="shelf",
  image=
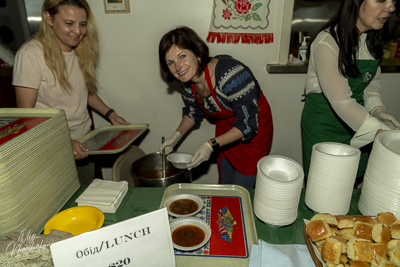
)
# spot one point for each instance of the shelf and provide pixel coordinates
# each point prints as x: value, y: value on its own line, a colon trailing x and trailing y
x: 281, y: 69
x: 387, y: 66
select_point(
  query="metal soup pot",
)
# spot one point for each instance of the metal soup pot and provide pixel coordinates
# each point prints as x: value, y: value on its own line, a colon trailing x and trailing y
x: 147, y: 171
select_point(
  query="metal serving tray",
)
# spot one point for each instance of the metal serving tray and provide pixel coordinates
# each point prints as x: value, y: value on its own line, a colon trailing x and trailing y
x: 112, y: 139
x: 228, y: 210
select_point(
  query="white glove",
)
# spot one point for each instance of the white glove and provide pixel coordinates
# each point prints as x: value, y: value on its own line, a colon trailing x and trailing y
x: 388, y: 119
x: 170, y: 142
x: 202, y: 154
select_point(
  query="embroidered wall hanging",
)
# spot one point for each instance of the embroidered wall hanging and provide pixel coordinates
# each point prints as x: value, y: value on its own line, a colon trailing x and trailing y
x: 245, y: 21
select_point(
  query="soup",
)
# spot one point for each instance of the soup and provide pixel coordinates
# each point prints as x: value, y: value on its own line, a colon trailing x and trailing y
x: 188, y: 235
x: 183, y: 206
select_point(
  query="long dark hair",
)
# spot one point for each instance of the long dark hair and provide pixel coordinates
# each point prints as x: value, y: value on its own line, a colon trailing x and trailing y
x: 185, y: 38
x: 343, y: 28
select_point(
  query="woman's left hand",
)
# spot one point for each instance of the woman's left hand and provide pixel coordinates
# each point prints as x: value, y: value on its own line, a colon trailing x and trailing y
x: 79, y: 150
x: 202, y: 154
x: 387, y: 118
x: 117, y: 120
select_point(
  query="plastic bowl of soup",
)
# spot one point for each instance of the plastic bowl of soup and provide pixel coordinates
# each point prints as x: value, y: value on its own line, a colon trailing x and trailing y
x: 189, y: 233
x: 183, y: 205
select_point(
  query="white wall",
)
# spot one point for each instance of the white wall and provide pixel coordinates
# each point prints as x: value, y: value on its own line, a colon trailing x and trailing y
x: 130, y: 79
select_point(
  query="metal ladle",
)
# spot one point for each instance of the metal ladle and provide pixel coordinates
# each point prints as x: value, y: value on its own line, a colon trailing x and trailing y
x: 163, y: 158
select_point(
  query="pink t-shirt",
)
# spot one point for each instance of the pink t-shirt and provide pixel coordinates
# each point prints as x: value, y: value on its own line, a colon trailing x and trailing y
x: 31, y: 71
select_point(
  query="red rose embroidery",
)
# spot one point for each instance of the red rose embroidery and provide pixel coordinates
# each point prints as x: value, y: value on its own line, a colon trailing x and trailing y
x: 242, y: 6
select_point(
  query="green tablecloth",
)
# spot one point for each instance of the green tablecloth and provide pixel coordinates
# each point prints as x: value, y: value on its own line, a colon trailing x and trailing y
x: 141, y: 200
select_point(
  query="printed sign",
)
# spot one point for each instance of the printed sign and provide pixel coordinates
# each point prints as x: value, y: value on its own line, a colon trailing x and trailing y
x: 133, y: 242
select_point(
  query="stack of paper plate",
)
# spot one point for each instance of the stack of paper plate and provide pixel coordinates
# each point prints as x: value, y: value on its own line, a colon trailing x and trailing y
x: 277, y: 191
x: 37, y: 169
x: 331, y: 178
x: 381, y: 185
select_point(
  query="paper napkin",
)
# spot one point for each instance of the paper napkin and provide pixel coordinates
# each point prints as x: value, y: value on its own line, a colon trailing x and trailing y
x: 264, y: 254
x: 104, y: 195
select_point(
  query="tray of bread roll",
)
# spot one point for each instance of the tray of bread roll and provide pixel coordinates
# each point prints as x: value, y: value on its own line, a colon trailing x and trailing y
x: 353, y: 240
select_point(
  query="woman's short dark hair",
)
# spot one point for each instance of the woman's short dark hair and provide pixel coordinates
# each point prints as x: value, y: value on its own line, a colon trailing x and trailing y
x: 185, y: 38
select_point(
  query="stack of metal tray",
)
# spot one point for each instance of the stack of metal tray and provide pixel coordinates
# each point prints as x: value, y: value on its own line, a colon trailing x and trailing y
x: 37, y: 168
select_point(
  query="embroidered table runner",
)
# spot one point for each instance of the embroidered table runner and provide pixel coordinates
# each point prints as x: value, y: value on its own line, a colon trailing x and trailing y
x: 245, y: 21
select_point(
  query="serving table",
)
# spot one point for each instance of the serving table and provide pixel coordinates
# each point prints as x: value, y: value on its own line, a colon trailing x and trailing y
x: 141, y: 200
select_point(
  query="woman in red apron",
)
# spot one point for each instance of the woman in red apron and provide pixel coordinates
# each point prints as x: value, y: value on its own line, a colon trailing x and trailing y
x: 226, y: 90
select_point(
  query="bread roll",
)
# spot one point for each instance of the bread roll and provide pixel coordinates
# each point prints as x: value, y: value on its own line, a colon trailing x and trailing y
x: 349, y: 235
x: 381, y: 262
x: 379, y: 250
x: 393, y: 244
x: 320, y: 243
x: 386, y: 218
x: 332, y: 250
x: 335, y: 230
x: 343, y: 240
x: 344, y: 259
x: 394, y: 255
x: 395, y: 223
x: 328, y: 264
x: 358, y: 264
x: 345, y: 231
x: 359, y: 249
x: 395, y: 231
x: 328, y: 218
x: 381, y: 234
x: 366, y: 219
x: 344, y: 221
x: 362, y: 230
x: 318, y: 230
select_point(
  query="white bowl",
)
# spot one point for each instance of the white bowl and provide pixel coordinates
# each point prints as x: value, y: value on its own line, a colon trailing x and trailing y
x: 175, y: 224
x: 280, y: 169
x: 182, y: 197
x: 179, y: 159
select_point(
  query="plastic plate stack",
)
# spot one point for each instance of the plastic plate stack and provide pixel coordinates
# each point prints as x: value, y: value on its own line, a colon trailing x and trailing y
x: 381, y: 185
x: 277, y: 191
x: 330, y: 183
x: 37, y: 169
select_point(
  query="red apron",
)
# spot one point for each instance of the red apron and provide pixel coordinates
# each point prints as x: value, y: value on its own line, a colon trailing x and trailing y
x: 242, y: 156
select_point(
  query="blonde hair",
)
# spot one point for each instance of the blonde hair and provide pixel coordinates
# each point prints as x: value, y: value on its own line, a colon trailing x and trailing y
x: 87, y: 50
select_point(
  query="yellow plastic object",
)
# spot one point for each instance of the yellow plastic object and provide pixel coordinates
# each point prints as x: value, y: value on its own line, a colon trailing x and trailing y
x: 76, y: 220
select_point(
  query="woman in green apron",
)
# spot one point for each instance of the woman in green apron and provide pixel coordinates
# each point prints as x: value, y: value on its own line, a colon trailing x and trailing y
x: 343, y: 102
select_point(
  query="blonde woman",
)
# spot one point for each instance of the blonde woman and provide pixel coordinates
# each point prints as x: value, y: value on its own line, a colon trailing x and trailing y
x: 56, y: 68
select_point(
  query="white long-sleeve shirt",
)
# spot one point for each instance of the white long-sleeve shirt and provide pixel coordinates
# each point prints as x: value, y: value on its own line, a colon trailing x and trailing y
x: 323, y: 76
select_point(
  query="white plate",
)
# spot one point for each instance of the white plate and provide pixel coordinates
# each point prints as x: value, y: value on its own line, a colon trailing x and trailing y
x: 191, y: 221
x: 168, y: 201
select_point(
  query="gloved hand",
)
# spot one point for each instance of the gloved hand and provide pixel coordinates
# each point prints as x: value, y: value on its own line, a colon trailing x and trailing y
x: 170, y: 142
x: 388, y: 119
x: 202, y: 154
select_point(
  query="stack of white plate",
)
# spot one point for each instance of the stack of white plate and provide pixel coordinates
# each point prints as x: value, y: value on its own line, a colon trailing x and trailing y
x: 331, y: 178
x: 277, y: 191
x: 37, y: 169
x: 381, y: 185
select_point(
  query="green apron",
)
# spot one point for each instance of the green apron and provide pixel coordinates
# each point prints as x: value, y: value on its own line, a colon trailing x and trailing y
x: 320, y: 123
